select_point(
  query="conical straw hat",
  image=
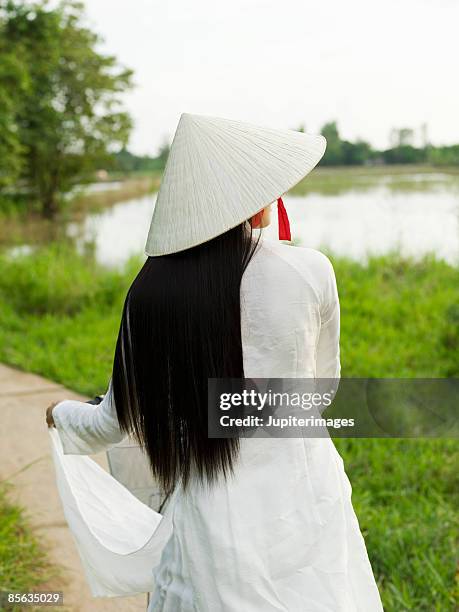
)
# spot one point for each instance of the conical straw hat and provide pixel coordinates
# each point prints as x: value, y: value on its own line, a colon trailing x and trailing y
x: 221, y: 172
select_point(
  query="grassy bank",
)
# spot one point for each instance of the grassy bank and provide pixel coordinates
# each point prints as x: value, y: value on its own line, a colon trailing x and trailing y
x: 21, y: 223
x: 398, y: 178
x: 59, y: 316
x: 132, y: 187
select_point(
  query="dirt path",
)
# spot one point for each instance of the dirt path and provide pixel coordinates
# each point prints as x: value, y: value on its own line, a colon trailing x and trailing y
x: 25, y: 460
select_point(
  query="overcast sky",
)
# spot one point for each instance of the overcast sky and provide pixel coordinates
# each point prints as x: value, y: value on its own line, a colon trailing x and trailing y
x: 371, y: 65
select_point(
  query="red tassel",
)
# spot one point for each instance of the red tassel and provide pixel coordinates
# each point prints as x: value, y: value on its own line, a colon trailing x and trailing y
x: 284, y: 223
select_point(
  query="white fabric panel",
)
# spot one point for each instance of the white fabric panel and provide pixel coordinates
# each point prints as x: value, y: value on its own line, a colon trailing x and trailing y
x: 119, y: 539
x: 129, y: 465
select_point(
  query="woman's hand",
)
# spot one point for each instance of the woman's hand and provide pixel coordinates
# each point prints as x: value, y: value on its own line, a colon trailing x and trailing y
x: 49, y: 415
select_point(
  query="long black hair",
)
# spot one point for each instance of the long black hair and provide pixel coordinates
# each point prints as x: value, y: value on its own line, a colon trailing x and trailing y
x: 181, y: 325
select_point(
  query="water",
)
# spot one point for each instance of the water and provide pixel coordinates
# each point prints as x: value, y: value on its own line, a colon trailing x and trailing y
x: 361, y: 224
x: 117, y: 232
x: 353, y: 224
x: 413, y: 214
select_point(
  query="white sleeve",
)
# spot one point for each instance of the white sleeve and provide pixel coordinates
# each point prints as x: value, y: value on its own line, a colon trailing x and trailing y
x: 85, y: 429
x: 328, y: 361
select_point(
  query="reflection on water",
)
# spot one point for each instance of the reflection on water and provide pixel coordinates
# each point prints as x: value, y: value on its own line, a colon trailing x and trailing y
x: 95, y: 187
x: 117, y: 232
x: 355, y: 222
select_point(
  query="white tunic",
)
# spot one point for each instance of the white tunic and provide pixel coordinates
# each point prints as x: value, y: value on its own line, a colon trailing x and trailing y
x: 281, y: 535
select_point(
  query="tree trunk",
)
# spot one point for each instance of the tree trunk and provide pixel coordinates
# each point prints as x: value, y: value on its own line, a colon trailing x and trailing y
x: 49, y: 206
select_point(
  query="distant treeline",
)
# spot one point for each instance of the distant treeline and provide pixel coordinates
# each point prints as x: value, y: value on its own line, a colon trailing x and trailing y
x: 345, y: 153
x: 127, y: 162
x: 339, y: 153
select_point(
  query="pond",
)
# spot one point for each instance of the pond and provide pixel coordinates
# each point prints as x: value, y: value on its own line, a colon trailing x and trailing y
x: 377, y: 218
x: 352, y: 213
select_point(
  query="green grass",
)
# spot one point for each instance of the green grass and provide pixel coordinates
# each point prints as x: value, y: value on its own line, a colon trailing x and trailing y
x: 399, y: 318
x: 59, y: 316
x: 23, y: 564
x: 405, y: 493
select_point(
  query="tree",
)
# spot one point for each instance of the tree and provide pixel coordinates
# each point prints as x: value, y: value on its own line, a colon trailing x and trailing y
x: 124, y: 161
x: 355, y: 153
x: 333, y: 153
x: 70, y: 116
x: 13, y: 84
x: 163, y: 153
x: 404, y: 154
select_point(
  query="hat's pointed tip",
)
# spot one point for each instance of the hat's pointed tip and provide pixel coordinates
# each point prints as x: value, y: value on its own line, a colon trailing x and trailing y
x: 185, y: 119
x: 189, y: 116
x: 189, y: 119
